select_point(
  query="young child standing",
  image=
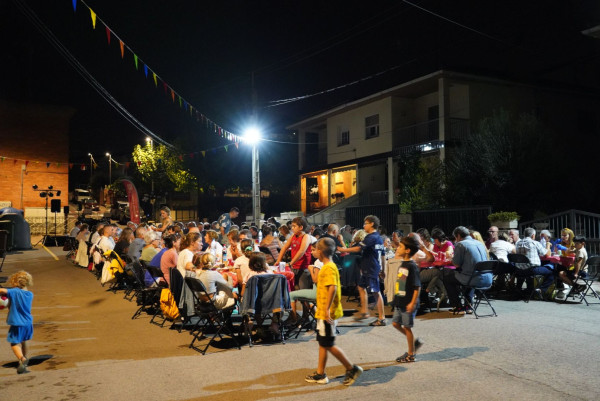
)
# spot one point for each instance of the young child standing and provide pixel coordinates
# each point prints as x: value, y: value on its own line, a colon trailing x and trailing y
x: 329, y: 309
x: 406, y: 296
x: 19, y: 316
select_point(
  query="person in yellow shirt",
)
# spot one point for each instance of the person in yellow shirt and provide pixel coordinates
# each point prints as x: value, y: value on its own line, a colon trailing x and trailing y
x: 329, y: 309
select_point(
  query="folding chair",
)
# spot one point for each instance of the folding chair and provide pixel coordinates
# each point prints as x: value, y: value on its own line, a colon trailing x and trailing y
x: 176, y: 285
x: 266, y: 296
x: 148, y: 298
x: 592, y: 275
x: 502, y: 273
x: 213, y: 318
x: 522, y: 271
x: 480, y: 292
x: 308, y: 322
x: 71, y: 246
x: 268, y: 254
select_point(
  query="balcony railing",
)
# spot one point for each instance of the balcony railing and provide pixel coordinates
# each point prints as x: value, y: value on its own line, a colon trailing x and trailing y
x: 425, y: 136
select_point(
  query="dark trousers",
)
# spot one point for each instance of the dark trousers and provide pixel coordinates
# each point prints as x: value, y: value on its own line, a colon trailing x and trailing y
x: 453, y: 288
x: 546, y: 271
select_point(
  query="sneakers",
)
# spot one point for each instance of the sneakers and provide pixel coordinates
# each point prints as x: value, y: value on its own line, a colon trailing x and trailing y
x: 317, y: 378
x: 378, y: 322
x: 352, y: 375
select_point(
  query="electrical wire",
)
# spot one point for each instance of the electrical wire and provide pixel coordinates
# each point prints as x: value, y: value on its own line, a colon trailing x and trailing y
x: 85, y: 74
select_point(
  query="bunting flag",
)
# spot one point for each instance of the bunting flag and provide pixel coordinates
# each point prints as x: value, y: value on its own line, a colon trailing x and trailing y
x: 226, y: 147
x: 127, y: 164
x: 93, y: 14
x: 70, y: 166
x: 236, y: 145
x: 15, y: 161
x: 83, y: 167
x: 182, y: 102
x: 203, y: 153
x: 181, y: 157
x: 94, y: 165
x: 47, y: 164
x: 27, y: 162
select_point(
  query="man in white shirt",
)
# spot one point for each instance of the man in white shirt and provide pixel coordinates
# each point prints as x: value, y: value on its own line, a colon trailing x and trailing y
x: 531, y: 248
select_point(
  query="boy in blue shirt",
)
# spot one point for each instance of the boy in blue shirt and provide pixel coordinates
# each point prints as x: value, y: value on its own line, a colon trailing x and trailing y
x: 370, y: 266
x: 19, y: 316
x: 406, y: 296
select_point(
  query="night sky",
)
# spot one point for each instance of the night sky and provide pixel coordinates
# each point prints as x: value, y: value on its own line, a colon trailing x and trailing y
x: 207, y: 52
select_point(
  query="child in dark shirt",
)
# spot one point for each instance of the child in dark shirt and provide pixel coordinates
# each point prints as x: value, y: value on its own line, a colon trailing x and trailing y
x: 19, y: 316
x: 406, y: 296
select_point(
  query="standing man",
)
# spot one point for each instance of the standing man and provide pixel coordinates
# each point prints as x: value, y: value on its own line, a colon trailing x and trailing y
x: 224, y: 222
x: 370, y: 266
x: 492, y: 236
x: 467, y: 253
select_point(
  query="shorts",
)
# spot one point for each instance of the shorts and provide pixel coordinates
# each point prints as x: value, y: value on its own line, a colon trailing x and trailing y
x: 371, y: 284
x: 404, y: 318
x: 18, y: 334
x: 326, y: 333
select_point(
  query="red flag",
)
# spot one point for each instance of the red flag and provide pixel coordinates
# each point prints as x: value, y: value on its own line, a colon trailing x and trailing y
x: 127, y: 164
x: 139, y: 163
x: 108, y: 34
x: 70, y: 166
x: 165, y: 86
x: 132, y: 198
x: 27, y: 162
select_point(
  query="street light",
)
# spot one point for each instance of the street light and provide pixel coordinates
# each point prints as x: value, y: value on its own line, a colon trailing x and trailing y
x: 150, y: 144
x: 252, y: 136
x: 109, y: 168
x: 91, y: 167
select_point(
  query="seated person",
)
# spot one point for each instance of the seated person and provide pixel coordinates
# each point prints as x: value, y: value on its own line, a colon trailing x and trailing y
x: 233, y: 246
x: 501, y: 247
x: 122, y: 245
x: 216, y: 286
x: 214, y: 248
x: 151, y: 248
x: 240, y: 266
x: 257, y: 264
x: 579, y: 268
x: 306, y: 294
x: 271, y: 242
x: 531, y: 248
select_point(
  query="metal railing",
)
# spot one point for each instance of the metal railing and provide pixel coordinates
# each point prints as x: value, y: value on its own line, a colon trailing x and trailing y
x: 582, y: 223
x: 448, y: 219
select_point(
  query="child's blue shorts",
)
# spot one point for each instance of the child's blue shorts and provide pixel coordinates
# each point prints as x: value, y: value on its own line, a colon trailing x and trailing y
x: 18, y: 334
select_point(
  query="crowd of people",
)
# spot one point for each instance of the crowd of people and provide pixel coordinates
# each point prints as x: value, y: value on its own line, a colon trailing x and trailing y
x: 405, y: 271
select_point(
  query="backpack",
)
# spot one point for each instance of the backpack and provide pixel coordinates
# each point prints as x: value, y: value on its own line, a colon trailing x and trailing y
x: 168, y: 306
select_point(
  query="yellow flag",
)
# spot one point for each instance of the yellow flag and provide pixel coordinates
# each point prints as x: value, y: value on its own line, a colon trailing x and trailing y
x: 203, y: 153
x: 155, y: 80
x: 93, y: 18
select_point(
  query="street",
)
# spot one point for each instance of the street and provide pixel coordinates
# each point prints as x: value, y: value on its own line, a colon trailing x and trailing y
x: 86, y: 347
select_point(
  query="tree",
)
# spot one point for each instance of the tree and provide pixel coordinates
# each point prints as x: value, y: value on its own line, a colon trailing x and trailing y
x: 421, y: 182
x: 500, y: 163
x: 163, y: 166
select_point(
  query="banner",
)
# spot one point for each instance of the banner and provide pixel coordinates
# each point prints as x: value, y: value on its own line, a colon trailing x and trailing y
x: 134, y: 202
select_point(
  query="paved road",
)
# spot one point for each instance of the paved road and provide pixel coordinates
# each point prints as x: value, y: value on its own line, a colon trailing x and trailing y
x: 86, y: 347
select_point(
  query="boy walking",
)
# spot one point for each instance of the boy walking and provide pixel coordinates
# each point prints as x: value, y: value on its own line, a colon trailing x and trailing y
x: 329, y: 309
x: 406, y: 296
x: 19, y: 316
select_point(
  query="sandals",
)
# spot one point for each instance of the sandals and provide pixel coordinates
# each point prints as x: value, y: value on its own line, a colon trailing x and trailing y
x: 406, y: 358
x: 378, y: 322
x: 361, y: 316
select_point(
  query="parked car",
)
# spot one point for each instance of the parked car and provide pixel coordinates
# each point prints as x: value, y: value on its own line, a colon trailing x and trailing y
x: 90, y: 204
x: 118, y: 209
x: 80, y: 194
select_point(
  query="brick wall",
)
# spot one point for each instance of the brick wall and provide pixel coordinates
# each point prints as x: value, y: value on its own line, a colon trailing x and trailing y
x: 33, y: 135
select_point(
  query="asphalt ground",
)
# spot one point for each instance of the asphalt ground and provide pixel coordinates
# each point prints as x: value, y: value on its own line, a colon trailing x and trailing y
x: 87, y: 347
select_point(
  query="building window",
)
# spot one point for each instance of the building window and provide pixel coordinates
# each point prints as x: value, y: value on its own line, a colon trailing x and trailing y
x: 343, y: 136
x: 372, y: 126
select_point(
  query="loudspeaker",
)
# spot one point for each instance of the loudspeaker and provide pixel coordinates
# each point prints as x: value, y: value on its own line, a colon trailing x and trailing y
x: 55, y: 205
x: 66, y: 209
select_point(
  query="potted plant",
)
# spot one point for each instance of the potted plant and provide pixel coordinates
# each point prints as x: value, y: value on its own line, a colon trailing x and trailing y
x: 504, y: 220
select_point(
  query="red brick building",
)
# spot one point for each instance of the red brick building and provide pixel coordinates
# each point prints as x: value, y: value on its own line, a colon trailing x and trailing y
x: 34, y: 150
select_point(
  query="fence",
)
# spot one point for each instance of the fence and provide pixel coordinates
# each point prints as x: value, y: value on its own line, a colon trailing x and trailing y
x: 582, y: 223
x: 388, y: 215
x: 448, y: 219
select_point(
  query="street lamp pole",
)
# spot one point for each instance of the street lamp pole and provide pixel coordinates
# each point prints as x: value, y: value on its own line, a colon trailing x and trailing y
x: 109, y: 168
x: 255, y: 185
x: 91, y: 167
x: 151, y: 144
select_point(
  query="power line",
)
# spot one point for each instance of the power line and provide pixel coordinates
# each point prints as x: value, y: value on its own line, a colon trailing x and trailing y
x: 85, y: 74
